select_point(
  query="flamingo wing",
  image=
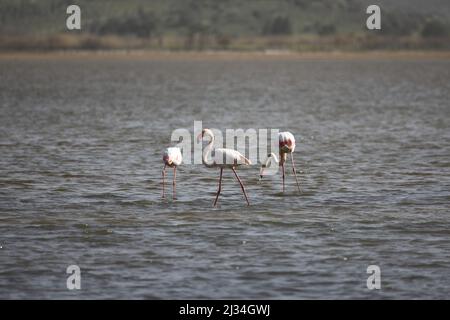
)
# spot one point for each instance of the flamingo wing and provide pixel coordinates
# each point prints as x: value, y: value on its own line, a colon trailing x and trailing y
x: 229, y: 157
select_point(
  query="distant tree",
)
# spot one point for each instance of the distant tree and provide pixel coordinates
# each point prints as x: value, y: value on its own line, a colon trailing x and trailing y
x: 141, y: 24
x: 398, y: 24
x: 301, y: 3
x: 354, y: 6
x: 434, y: 28
x: 326, y: 29
x: 278, y: 26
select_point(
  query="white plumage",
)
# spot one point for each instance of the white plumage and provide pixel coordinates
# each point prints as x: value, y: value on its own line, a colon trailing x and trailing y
x: 286, y: 142
x: 228, y: 158
x: 172, y: 158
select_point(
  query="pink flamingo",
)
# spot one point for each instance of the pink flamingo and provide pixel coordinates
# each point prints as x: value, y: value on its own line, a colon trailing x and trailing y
x: 172, y: 158
x: 230, y: 158
x: 286, y: 146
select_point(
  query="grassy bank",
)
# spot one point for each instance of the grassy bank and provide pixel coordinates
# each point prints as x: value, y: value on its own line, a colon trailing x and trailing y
x: 300, y: 43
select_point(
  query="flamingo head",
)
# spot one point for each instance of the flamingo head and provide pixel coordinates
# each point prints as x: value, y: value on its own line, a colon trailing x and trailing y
x: 261, y: 171
x: 267, y: 166
x: 167, y: 160
x: 263, y: 167
x: 205, y: 132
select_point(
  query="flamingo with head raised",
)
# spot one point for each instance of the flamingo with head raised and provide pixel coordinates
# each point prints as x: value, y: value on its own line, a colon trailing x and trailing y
x: 172, y: 158
x: 286, y: 146
x: 228, y: 158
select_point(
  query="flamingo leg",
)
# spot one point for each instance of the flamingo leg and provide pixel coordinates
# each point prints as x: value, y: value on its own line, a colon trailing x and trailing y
x: 174, y: 183
x: 295, y: 173
x: 282, y: 167
x: 220, y: 187
x: 242, y: 186
x: 163, y: 181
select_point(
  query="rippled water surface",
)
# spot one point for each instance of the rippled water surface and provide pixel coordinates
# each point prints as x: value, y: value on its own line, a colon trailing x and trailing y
x: 81, y: 143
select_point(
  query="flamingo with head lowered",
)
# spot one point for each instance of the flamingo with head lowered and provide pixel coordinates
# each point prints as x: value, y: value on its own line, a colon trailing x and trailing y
x: 228, y: 158
x: 286, y: 146
x: 172, y: 158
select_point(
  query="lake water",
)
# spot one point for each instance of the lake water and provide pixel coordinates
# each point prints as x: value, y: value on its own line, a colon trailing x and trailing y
x: 81, y: 144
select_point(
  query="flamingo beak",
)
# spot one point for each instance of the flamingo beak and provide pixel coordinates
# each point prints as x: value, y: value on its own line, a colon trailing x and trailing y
x: 200, y: 137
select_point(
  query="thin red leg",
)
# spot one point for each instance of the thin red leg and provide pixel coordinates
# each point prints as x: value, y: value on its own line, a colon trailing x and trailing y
x: 174, y: 181
x: 163, y: 181
x: 220, y: 187
x: 295, y: 173
x: 242, y: 186
x: 282, y: 166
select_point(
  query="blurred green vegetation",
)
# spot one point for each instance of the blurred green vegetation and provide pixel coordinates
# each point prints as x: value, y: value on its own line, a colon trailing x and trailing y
x: 225, y: 24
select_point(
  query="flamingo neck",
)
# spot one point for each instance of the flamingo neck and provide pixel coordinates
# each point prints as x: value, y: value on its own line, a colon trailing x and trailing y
x: 283, y: 157
x: 207, y: 153
x: 271, y: 159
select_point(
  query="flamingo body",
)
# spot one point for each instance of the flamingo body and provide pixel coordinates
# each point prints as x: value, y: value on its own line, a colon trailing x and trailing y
x: 228, y: 158
x: 172, y: 158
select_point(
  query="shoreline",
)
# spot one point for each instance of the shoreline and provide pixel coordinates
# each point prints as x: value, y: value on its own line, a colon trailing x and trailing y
x: 227, y: 55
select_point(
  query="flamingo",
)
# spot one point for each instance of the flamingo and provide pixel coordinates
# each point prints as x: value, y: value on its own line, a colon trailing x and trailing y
x: 232, y: 159
x: 172, y: 158
x: 286, y: 146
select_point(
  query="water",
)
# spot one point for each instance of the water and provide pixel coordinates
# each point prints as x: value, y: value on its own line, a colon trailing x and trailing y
x: 81, y: 143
